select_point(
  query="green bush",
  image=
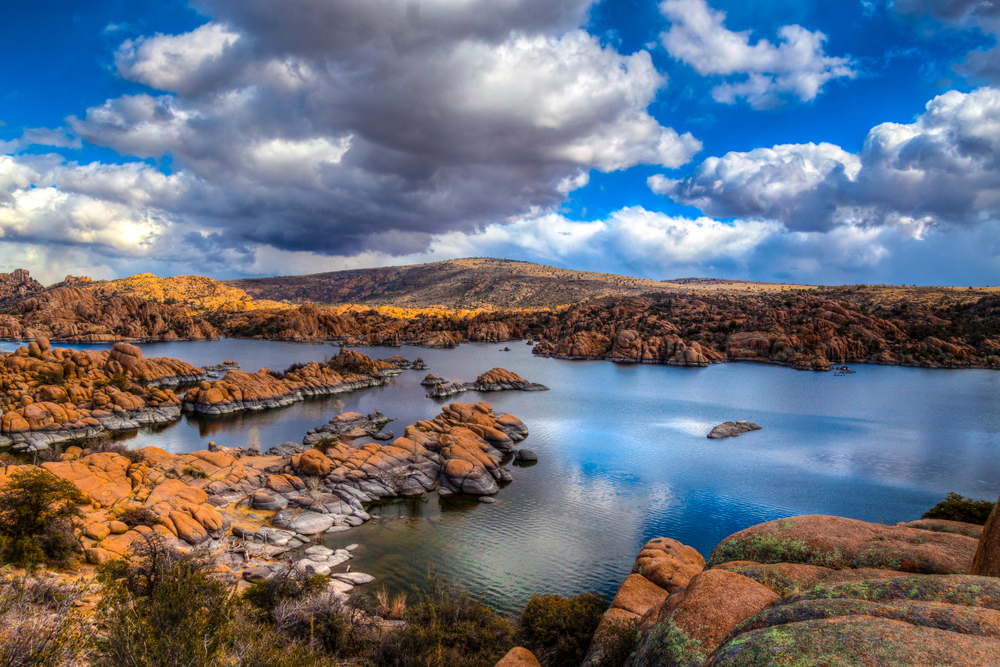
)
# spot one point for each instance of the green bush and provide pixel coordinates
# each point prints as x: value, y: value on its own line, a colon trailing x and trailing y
x: 139, y: 516
x: 558, y: 630
x: 36, y: 512
x: 959, y: 508
x: 53, y: 376
x: 121, y: 381
x: 289, y: 584
x: 617, y: 642
x: 447, y: 628
x: 162, y: 609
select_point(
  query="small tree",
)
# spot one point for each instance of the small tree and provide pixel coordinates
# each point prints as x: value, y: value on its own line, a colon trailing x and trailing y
x: 163, y: 609
x: 957, y: 507
x: 36, y: 512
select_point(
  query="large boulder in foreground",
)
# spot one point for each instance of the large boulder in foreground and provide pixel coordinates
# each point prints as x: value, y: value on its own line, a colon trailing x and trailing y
x: 692, y: 622
x: 836, y: 542
x: 662, y: 567
x: 987, y: 559
x: 914, y: 620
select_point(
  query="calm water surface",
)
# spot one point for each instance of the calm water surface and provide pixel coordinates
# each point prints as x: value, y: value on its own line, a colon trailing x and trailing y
x: 624, y: 458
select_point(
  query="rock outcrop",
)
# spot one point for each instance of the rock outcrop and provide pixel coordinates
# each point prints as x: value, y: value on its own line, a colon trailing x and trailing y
x: 986, y: 562
x: 263, y: 390
x: 53, y: 395
x: 827, y: 590
x: 497, y: 379
x: 662, y: 567
x: 732, y: 429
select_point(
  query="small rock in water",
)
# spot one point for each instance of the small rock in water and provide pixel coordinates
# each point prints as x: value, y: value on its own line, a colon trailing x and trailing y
x: 732, y: 429
x: 489, y: 500
x: 351, y: 547
x: 525, y: 455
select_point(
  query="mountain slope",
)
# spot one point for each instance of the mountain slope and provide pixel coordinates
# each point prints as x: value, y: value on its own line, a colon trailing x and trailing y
x: 459, y: 283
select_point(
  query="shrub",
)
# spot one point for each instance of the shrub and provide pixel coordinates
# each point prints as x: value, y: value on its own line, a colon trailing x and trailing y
x: 36, y: 509
x: 617, y: 642
x: 256, y: 644
x: 54, y: 375
x: 447, y: 628
x: 959, y: 508
x: 121, y: 381
x: 558, y: 630
x: 318, y: 620
x: 162, y: 609
x: 139, y: 516
x: 289, y: 584
x: 39, y: 624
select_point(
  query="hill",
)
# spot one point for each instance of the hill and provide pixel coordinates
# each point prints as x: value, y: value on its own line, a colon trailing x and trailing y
x: 459, y: 283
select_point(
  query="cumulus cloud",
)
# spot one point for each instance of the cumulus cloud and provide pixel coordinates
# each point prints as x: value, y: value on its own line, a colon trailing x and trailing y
x: 353, y: 127
x: 765, y: 74
x: 941, y: 170
x: 984, y: 15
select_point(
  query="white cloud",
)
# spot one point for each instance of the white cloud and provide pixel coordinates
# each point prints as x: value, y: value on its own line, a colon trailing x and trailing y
x: 797, y: 67
x: 941, y: 170
x: 173, y: 62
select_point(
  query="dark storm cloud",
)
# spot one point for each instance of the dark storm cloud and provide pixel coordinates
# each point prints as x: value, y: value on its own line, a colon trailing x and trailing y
x: 339, y: 127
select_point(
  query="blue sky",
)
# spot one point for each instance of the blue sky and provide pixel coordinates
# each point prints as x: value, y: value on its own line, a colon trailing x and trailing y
x: 782, y: 140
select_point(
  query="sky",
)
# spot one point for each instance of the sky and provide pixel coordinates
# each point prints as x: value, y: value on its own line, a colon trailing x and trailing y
x: 779, y: 140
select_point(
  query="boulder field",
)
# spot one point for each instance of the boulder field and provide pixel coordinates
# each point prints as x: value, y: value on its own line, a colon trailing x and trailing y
x: 816, y: 590
x: 267, y: 505
x: 262, y: 390
x: 50, y: 395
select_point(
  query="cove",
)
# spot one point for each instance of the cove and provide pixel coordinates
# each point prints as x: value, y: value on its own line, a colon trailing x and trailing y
x: 623, y: 457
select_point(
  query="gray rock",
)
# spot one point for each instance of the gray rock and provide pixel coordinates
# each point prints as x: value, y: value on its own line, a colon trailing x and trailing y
x: 732, y: 429
x: 525, y: 455
x: 310, y: 523
x: 355, y: 578
x: 320, y: 550
x: 337, y: 529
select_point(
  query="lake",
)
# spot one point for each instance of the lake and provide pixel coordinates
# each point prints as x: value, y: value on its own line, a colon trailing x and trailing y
x: 623, y: 457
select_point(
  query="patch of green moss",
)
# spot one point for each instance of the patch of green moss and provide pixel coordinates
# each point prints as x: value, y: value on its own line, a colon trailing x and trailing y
x: 762, y: 548
x: 666, y: 645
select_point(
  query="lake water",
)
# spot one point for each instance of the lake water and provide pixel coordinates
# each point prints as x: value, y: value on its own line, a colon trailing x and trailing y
x: 623, y: 457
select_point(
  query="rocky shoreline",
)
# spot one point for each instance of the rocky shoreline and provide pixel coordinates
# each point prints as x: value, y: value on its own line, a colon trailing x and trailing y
x: 255, y: 512
x: 53, y: 395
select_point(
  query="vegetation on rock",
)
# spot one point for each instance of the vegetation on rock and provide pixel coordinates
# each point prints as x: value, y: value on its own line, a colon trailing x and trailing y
x: 957, y: 507
x: 558, y: 630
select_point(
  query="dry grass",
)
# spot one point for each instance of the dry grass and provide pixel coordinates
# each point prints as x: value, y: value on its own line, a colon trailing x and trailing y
x: 393, y: 608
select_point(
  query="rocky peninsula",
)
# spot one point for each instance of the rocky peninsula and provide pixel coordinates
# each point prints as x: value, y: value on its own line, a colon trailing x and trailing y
x: 252, y: 510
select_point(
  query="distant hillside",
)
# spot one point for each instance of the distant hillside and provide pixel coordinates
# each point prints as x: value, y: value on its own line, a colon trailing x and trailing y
x: 195, y: 293
x: 459, y: 283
